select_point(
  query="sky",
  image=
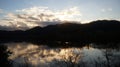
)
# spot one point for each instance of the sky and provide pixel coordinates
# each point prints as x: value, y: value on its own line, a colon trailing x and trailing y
x: 23, y: 14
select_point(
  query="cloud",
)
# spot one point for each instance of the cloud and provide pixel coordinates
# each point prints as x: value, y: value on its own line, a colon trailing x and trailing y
x: 103, y: 10
x: 106, y: 10
x: 46, y: 14
x: 69, y: 14
x: 40, y: 16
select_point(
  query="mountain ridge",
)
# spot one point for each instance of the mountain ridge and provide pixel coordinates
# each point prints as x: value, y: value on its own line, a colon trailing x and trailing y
x: 96, y: 31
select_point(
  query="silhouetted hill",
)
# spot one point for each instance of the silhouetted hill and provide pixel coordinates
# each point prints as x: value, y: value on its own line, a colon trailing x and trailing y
x: 35, y: 29
x: 108, y: 25
x: 96, y: 31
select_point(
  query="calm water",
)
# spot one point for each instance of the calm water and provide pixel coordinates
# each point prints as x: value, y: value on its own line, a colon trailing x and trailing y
x: 31, y: 55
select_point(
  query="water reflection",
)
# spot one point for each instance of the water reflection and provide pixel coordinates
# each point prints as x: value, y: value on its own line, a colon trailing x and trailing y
x: 31, y: 55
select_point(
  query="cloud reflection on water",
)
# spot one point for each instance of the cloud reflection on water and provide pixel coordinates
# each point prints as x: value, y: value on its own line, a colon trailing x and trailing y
x: 44, y: 56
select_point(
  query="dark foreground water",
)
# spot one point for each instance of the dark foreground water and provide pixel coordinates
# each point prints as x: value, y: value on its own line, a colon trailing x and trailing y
x: 31, y: 55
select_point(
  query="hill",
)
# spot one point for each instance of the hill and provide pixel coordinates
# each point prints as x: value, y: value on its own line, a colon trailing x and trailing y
x: 96, y: 31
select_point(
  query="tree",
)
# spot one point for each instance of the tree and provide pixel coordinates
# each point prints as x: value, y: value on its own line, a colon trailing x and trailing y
x: 4, y: 56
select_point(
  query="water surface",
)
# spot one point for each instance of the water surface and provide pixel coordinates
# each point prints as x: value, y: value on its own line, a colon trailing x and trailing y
x: 91, y: 55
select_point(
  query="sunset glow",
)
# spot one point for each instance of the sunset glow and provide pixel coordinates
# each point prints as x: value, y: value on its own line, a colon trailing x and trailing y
x: 30, y: 13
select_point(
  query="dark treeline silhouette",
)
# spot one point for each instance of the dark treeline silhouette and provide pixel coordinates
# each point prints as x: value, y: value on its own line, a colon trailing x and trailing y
x: 100, y: 31
x: 4, y: 54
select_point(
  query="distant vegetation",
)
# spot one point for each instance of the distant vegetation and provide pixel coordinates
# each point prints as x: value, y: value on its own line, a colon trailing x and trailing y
x: 4, y: 62
x: 96, y: 31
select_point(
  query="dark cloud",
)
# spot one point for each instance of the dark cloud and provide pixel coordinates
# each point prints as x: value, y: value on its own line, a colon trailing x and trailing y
x: 48, y: 23
x: 8, y: 28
